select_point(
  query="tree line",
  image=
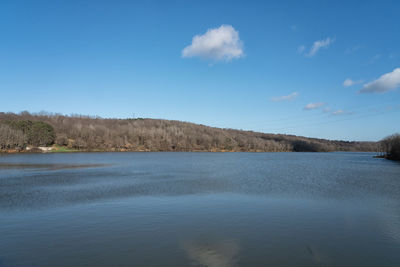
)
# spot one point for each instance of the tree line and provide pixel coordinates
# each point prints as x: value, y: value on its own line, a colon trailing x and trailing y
x: 99, y: 134
x: 391, y: 146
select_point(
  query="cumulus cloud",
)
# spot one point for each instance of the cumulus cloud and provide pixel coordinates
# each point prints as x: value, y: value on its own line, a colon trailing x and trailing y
x: 221, y: 43
x: 289, y: 97
x: 349, y: 82
x: 318, y: 45
x: 316, y: 105
x: 385, y: 83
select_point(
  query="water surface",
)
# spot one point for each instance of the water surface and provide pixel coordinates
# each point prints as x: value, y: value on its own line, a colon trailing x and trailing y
x: 199, y: 209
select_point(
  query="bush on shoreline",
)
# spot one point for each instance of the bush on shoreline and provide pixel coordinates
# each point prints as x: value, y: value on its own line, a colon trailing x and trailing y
x: 391, y: 146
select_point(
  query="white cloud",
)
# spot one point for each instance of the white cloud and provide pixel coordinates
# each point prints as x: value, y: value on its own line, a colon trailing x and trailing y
x: 349, y: 82
x: 289, y: 97
x: 318, y: 45
x: 221, y: 43
x: 385, y: 83
x: 314, y: 105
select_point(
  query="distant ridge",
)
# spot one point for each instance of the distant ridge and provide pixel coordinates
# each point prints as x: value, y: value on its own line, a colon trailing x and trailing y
x: 85, y: 133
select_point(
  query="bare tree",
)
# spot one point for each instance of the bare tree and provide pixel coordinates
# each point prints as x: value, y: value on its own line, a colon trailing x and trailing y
x: 95, y: 133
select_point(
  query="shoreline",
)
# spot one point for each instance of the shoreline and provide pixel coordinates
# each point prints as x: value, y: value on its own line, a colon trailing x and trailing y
x: 35, y: 151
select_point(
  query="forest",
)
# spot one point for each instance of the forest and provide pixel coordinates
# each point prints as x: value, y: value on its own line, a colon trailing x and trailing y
x: 24, y: 130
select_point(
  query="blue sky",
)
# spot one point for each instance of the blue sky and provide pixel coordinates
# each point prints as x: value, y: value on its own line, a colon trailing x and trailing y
x: 275, y: 67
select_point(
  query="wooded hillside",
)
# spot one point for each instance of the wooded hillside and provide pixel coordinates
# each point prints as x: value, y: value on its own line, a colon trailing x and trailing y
x: 17, y: 131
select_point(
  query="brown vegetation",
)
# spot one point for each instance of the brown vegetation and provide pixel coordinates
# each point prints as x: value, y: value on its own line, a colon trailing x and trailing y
x: 98, y: 134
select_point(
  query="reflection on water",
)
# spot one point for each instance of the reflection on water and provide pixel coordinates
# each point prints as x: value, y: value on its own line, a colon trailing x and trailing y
x: 222, y: 253
x: 5, y: 165
x: 202, y: 209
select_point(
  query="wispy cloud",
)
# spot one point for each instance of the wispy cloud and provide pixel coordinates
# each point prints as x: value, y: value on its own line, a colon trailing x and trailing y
x: 385, y: 83
x: 289, y: 97
x: 316, y: 105
x: 221, y: 43
x: 341, y: 112
x: 349, y: 82
x: 301, y: 49
x: 317, y: 45
x: 326, y: 110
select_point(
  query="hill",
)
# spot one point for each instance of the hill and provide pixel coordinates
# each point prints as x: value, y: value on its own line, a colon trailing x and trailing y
x: 85, y: 133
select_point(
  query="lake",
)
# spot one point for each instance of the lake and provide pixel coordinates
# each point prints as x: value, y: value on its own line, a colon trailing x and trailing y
x: 199, y: 209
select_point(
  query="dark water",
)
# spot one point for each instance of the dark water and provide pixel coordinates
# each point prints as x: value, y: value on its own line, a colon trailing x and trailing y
x: 199, y: 209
